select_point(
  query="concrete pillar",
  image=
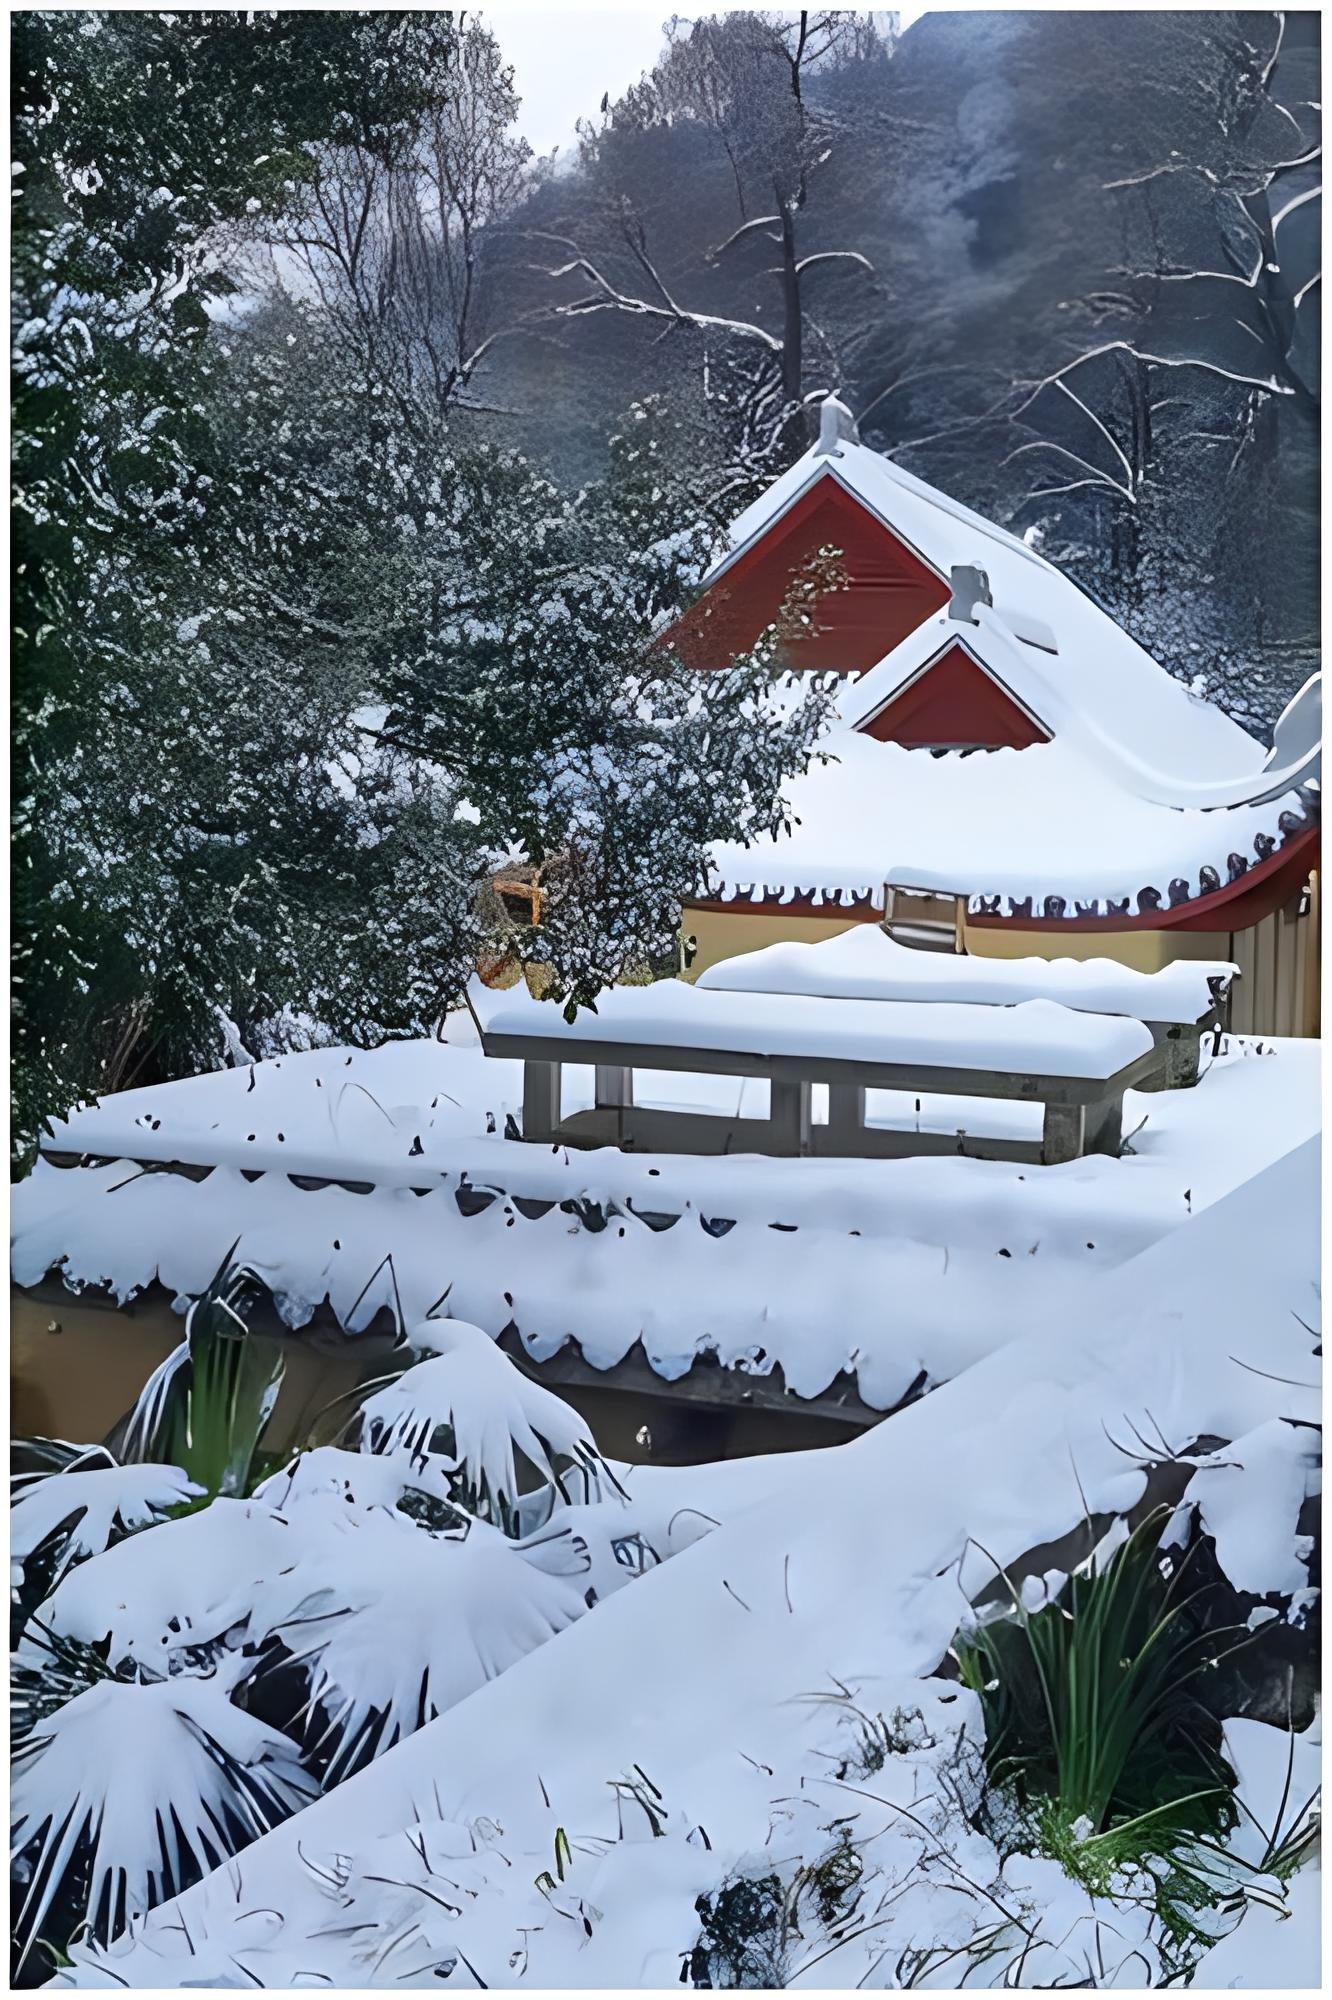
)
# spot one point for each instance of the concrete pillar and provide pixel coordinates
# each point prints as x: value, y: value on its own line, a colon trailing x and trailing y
x: 541, y: 1099
x: 614, y: 1086
x: 1183, y: 1050
x: 789, y: 1119
x: 1062, y: 1136
x: 1103, y: 1126
x: 613, y: 1093
x: 846, y: 1119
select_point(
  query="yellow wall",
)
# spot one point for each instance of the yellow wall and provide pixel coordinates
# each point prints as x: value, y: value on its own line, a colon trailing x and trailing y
x: 1145, y: 951
x: 727, y: 933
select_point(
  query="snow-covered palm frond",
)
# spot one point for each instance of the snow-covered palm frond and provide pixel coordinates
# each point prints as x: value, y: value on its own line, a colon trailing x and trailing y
x: 359, y: 1478
x: 133, y: 1790
x: 184, y: 1586
x: 469, y: 1403
x: 396, y: 1625
x: 97, y: 1507
x: 48, y: 1672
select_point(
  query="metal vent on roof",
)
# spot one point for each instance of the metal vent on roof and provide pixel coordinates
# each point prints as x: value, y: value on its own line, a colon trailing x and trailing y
x: 837, y: 427
x: 971, y: 586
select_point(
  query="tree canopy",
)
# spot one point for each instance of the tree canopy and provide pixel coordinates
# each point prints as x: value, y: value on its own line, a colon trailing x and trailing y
x: 303, y: 652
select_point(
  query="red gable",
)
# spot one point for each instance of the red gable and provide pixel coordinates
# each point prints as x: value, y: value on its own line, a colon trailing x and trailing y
x: 890, y: 590
x: 953, y: 703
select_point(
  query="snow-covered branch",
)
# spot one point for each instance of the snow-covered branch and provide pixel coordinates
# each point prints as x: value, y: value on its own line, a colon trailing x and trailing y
x: 1139, y: 353
x: 833, y: 257
x: 1093, y: 473
x: 607, y: 297
x: 764, y: 222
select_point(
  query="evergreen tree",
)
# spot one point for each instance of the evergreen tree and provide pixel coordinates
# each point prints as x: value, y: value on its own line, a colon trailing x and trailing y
x: 301, y: 657
x: 137, y: 137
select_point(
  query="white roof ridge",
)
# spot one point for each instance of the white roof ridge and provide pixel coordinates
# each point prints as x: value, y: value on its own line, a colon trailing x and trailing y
x: 936, y: 497
x: 1155, y: 786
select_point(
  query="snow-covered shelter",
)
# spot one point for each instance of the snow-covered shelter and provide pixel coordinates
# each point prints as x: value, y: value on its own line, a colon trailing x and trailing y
x: 1005, y: 748
x: 1076, y: 1064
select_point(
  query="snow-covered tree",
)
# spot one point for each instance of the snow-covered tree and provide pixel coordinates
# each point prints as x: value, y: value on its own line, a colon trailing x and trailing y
x: 137, y: 138
x: 749, y: 82
x: 395, y: 235
x: 1148, y: 443
x: 305, y: 658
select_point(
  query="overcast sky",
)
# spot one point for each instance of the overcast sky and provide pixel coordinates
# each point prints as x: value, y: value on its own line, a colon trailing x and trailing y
x: 565, y: 58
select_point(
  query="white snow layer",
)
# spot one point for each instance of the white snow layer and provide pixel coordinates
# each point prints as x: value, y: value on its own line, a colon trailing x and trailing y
x: 881, y: 1269
x: 884, y: 1269
x: 864, y: 963
x: 1037, y: 1036
x: 1045, y: 822
x: 716, y: 1679
x: 1249, y: 1497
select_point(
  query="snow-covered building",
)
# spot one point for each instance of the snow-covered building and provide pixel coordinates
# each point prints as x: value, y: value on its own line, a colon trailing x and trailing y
x: 1004, y: 745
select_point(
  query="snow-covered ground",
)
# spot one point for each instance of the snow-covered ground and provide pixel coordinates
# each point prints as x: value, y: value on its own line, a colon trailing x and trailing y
x: 558, y: 1825
x: 885, y: 1269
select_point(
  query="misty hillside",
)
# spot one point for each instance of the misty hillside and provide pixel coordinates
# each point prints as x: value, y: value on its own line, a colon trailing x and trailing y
x: 1029, y: 189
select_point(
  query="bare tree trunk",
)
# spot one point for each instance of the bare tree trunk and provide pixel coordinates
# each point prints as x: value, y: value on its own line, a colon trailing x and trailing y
x: 1126, y: 529
x: 792, y: 330
x: 802, y: 424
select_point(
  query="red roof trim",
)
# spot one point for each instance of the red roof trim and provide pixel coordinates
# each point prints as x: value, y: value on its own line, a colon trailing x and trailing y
x: 1235, y: 906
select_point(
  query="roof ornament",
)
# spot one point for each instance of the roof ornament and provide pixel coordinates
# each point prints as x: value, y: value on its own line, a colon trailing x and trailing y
x: 837, y: 427
x: 971, y: 586
x: 1298, y: 736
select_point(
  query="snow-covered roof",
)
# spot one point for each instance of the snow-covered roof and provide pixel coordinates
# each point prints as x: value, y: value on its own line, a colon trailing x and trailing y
x: 1033, y: 1036
x: 998, y: 826
x: 761, y: 1263
x: 1122, y: 698
x: 864, y: 963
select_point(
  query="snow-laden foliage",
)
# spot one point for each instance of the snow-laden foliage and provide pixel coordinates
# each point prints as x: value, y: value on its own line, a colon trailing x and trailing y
x: 396, y: 1624
x: 138, y: 141
x: 260, y: 1647
x: 309, y: 655
x: 95, y: 1508
x: 161, y: 1596
x: 357, y: 1478
x: 132, y: 1791
x: 487, y: 1412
